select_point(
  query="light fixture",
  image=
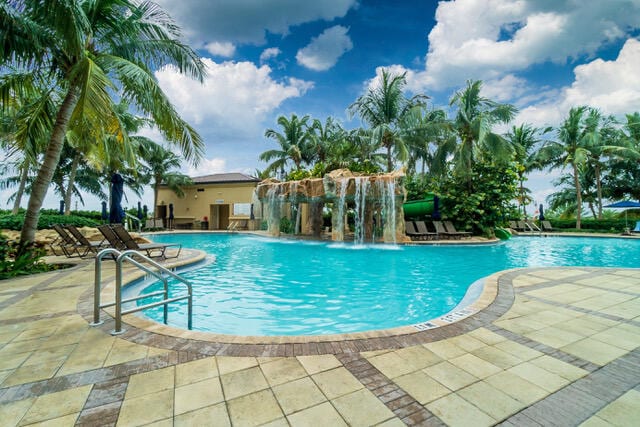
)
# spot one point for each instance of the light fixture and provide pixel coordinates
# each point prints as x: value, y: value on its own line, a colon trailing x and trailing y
x: 195, y: 197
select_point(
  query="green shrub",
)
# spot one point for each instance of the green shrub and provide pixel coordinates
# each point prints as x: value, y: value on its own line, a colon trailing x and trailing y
x: 15, y: 222
x: 593, y: 225
x: 17, y: 261
x: 286, y: 226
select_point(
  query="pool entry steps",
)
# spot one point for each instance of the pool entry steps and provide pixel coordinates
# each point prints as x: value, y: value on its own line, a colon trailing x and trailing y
x: 377, y: 201
x: 160, y: 273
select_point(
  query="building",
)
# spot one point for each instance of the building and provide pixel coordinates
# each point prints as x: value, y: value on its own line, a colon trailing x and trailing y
x: 212, y: 202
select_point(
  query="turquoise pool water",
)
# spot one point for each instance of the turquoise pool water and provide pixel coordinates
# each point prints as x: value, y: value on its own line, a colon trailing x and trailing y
x: 262, y: 286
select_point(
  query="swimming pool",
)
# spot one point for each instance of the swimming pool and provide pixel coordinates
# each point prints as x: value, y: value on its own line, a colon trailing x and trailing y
x: 263, y: 286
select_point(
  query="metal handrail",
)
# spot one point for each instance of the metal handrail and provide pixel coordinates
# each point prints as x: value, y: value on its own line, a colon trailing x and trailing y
x: 162, y: 274
x: 135, y: 218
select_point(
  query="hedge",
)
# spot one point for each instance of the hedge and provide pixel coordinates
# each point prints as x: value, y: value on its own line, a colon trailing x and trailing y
x: 600, y: 225
x: 14, y: 222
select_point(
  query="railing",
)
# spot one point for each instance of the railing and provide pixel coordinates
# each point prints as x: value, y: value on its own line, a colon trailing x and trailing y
x: 135, y: 218
x: 162, y: 274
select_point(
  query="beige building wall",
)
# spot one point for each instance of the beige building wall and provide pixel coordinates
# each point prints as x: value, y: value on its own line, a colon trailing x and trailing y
x: 214, y: 201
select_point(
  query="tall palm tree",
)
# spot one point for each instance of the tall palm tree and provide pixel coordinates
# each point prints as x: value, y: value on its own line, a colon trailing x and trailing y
x: 382, y: 108
x: 422, y: 130
x: 524, y: 139
x: 159, y: 164
x: 294, y: 141
x: 571, y: 150
x: 93, y: 50
x: 475, y: 118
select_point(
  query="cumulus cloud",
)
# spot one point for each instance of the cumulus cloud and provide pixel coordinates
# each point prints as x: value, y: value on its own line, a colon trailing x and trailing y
x: 485, y: 39
x: 269, y: 53
x: 234, y: 99
x: 612, y: 86
x: 225, y: 50
x: 246, y: 21
x: 208, y: 167
x: 323, y: 51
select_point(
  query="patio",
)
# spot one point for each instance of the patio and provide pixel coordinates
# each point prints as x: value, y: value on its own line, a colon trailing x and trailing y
x: 556, y: 347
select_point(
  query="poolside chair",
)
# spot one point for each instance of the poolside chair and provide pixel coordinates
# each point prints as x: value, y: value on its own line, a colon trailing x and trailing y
x: 442, y: 232
x: 130, y: 243
x: 91, y: 246
x: 67, y: 244
x: 111, y: 237
x: 546, y: 226
x: 448, y: 225
x: 423, y: 230
x: 532, y: 225
x: 513, y: 225
x: 522, y: 226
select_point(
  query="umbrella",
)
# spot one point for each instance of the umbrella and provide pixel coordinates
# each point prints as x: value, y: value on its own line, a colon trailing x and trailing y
x: 170, y: 215
x: 104, y: 215
x: 145, y: 210
x: 61, y: 207
x: 116, y: 213
x: 139, y: 210
x: 541, y: 213
x: 625, y: 204
x: 436, y: 208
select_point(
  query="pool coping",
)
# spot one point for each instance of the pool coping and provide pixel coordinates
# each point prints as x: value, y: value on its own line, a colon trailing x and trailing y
x: 495, y: 299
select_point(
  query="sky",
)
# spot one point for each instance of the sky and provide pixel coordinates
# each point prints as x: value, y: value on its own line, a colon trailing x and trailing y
x: 267, y: 58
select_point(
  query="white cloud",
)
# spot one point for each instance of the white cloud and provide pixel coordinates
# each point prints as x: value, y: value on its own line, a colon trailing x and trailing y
x: 323, y: 51
x: 226, y: 49
x: 234, y: 99
x: 269, y: 53
x: 485, y: 39
x: 246, y: 21
x: 612, y: 86
x: 208, y: 167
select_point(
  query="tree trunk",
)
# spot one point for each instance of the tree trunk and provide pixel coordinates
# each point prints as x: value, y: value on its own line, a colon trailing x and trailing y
x: 49, y: 164
x: 389, y: 162
x: 70, y: 184
x: 593, y: 210
x: 599, y: 190
x: 24, y: 174
x: 524, y: 207
x: 576, y: 181
x: 156, y: 185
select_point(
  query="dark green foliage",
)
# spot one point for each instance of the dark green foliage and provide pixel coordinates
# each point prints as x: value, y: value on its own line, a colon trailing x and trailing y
x: 286, y: 226
x: 480, y: 199
x: 417, y: 186
x: 593, y: 225
x: 15, y: 262
x: 14, y: 222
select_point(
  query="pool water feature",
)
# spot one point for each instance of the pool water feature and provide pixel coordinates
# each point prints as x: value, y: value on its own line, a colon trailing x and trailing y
x: 263, y: 286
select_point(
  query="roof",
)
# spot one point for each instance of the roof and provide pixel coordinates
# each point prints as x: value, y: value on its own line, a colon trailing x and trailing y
x: 222, y: 178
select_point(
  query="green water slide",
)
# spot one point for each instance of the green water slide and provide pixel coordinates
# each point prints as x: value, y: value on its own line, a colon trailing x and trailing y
x: 417, y: 208
x: 502, y: 234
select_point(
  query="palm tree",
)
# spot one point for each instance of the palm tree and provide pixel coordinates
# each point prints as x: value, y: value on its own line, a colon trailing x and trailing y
x: 422, y: 131
x: 524, y: 139
x: 382, y: 108
x: 473, y: 125
x: 91, y: 51
x: 158, y: 165
x: 570, y: 150
x: 295, y: 144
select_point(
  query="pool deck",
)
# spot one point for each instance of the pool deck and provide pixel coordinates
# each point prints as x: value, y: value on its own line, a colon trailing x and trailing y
x: 556, y: 346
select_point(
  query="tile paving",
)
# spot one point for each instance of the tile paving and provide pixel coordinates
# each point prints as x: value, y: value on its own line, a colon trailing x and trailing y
x: 554, y: 347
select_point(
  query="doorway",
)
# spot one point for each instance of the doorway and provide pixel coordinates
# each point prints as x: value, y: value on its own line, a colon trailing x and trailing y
x: 219, y: 217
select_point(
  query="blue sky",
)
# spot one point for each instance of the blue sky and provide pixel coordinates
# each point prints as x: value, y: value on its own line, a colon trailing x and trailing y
x: 268, y: 58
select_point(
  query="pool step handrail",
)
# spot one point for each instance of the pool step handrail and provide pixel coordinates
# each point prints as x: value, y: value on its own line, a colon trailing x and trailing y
x: 160, y: 272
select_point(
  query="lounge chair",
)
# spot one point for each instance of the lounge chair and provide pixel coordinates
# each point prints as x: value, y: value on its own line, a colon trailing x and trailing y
x: 111, y: 237
x: 443, y: 233
x: 448, y: 225
x: 546, y: 226
x: 522, y: 226
x: 91, y: 246
x: 68, y: 246
x: 130, y: 243
x: 532, y: 225
x: 423, y: 230
x: 513, y: 226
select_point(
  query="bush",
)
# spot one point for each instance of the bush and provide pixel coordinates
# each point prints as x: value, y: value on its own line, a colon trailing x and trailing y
x: 593, y: 225
x: 286, y: 226
x: 15, y: 222
x: 17, y: 261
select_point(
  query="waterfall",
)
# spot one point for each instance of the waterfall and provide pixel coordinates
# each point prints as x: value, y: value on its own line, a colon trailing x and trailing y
x: 387, y: 191
x: 362, y: 185
x: 274, y: 202
x: 339, y: 221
